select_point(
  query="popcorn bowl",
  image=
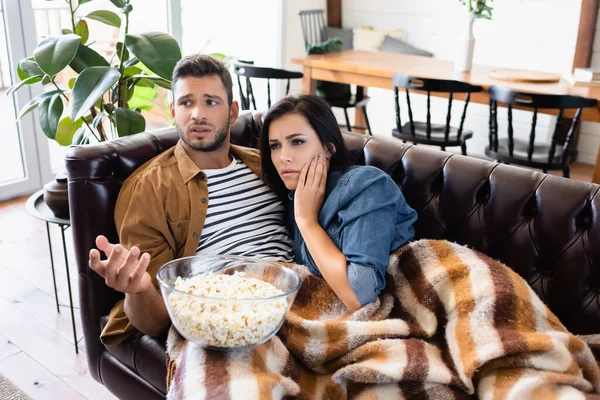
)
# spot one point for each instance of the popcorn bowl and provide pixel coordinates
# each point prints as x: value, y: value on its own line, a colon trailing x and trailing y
x: 227, y: 303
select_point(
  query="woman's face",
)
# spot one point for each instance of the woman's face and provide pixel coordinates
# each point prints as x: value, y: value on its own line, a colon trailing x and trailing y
x: 293, y: 143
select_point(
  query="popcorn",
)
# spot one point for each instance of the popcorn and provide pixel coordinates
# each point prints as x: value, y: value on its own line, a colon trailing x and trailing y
x: 227, y: 322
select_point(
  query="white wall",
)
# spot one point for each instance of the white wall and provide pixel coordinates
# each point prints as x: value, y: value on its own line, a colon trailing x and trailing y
x: 293, y: 44
x: 589, y: 138
x: 529, y: 34
x: 532, y: 34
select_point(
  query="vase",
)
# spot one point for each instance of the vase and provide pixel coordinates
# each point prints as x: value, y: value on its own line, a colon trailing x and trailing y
x: 466, y: 46
x: 56, y: 196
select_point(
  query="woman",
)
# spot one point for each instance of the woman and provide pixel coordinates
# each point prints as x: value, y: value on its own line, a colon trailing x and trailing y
x: 345, y: 220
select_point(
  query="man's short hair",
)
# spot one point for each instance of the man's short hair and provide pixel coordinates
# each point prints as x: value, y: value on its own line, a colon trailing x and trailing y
x: 199, y: 65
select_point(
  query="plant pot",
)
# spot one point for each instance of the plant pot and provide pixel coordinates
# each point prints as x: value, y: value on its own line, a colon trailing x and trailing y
x: 56, y: 196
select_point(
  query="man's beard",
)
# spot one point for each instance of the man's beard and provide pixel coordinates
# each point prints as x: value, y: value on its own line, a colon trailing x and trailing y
x: 220, y: 138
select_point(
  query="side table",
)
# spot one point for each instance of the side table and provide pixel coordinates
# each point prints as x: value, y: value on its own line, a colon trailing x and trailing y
x: 37, y: 207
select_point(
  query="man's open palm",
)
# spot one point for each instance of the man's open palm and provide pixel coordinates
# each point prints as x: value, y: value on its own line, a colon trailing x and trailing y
x: 124, y: 270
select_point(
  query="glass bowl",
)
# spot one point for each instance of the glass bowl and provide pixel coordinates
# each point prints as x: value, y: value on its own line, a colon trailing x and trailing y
x: 212, y: 321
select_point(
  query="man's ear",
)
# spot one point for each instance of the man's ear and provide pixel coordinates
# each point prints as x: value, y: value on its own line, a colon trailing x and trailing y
x: 172, y: 108
x: 234, y: 111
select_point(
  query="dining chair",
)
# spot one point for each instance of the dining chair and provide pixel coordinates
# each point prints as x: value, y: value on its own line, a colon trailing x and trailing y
x: 443, y: 135
x: 313, y: 26
x: 250, y: 71
x: 529, y: 153
x: 314, y: 32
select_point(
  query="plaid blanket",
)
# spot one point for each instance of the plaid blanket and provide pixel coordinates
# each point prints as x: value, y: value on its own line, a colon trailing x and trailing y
x: 450, y: 324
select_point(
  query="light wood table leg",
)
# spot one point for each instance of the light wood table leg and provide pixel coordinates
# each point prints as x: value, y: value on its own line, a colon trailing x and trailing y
x: 309, y: 85
x: 359, y: 117
x: 596, y: 177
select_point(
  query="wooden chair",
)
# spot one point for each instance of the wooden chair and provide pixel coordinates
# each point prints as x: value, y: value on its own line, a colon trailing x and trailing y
x: 553, y: 156
x: 313, y: 26
x: 425, y: 132
x: 250, y: 71
x: 313, y: 31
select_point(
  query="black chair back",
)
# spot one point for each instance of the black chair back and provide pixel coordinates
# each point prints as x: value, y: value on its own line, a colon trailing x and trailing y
x: 408, y: 83
x: 534, y: 101
x: 250, y: 71
x: 313, y: 26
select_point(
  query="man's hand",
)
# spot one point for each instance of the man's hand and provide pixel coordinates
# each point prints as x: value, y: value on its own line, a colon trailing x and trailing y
x: 124, y: 270
x: 310, y: 192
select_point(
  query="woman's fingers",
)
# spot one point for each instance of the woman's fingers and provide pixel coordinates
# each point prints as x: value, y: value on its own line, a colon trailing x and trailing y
x: 310, y: 175
x: 323, y: 180
x: 302, y: 178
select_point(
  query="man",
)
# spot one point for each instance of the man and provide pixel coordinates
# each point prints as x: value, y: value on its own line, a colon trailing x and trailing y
x: 203, y: 196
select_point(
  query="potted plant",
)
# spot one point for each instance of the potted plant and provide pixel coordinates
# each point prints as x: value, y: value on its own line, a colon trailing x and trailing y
x: 477, y: 9
x: 105, y: 98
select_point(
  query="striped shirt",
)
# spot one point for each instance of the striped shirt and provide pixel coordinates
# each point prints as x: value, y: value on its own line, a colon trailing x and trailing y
x: 244, y: 216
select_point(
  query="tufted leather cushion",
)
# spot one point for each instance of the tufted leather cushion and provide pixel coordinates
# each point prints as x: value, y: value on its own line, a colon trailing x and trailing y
x: 546, y: 228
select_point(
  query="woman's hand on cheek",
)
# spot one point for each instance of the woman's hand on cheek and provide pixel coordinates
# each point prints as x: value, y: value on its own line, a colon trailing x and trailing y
x: 310, y: 192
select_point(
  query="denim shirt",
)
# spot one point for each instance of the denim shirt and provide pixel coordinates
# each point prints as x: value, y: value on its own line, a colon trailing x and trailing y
x: 366, y: 217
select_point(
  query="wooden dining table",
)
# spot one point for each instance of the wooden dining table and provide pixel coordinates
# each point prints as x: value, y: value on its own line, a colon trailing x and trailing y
x: 375, y: 69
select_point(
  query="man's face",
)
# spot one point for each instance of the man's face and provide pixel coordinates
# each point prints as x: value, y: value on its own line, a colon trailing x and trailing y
x: 201, y: 112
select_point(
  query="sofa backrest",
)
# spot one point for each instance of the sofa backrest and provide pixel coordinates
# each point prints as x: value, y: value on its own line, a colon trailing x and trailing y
x: 545, y: 228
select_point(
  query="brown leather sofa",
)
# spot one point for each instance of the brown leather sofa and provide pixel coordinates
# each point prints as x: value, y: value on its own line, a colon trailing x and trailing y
x: 545, y: 228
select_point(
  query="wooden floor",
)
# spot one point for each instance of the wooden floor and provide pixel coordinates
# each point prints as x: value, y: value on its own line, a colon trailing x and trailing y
x: 36, y: 342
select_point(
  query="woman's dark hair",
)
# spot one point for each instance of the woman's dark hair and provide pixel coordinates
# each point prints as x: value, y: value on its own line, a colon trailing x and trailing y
x: 319, y: 115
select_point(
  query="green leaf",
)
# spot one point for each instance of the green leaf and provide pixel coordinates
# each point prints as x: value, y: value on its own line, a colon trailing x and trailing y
x: 156, y: 79
x: 84, y: 1
x: 119, y: 3
x: 125, y: 52
x: 109, y: 108
x: 35, y: 102
x: 88, y: 118
x: 79, y: 137
x: 218, y: 56
x: 132, y: 71
x: 51, y: 109
x: 46, y: 80
x: 66, y: 130
x: 66, y: 31
x: 145, y: 70
x: 86, y: 58
x: 142, y: 98
x: 158, y: 51
x: 143, y: 82
x: 129, y: 122
x: 90, y: 86
x: 127, y: 9
x: 27, y: 81
x: 72, y: 82
x: 106, y: 17
x: 28, y: 67
x: 130, y: 62
x: 82, y: 30
x: 97, y: 119
x: 53, y: 54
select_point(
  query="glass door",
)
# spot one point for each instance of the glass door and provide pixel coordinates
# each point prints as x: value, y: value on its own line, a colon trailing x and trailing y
x: 24, y: 160
x: 27, y: 158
